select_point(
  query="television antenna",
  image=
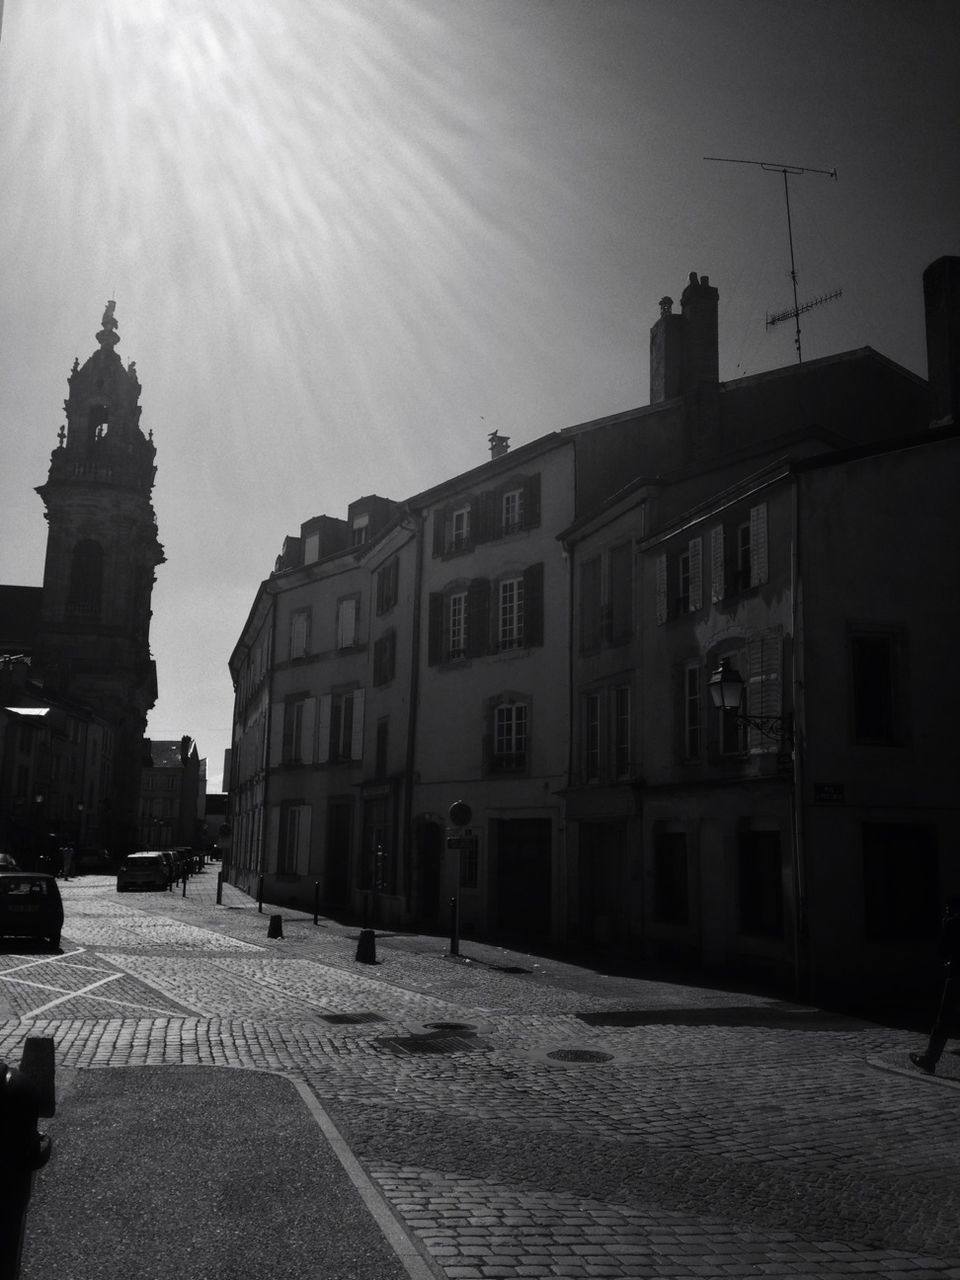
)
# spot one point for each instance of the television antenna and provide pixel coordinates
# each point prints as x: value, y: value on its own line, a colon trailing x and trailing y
x: 797, y: 310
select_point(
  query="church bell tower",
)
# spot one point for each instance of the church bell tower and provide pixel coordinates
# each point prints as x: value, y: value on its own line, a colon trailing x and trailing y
x: 102, y: 551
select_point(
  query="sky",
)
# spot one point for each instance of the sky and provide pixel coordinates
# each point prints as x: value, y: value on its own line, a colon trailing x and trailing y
x: 348, y: 239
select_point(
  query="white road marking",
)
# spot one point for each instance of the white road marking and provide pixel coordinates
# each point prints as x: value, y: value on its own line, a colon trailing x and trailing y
x: 31, y: 964
x: 71, y: 995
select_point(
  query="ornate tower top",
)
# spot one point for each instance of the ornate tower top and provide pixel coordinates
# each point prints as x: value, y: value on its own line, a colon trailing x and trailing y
x: 108, y: 336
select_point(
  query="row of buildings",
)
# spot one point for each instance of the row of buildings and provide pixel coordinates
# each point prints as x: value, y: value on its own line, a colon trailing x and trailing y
x: 686, y: 667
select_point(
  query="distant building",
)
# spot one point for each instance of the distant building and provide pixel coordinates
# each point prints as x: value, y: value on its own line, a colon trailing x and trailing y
x: 171, y: 798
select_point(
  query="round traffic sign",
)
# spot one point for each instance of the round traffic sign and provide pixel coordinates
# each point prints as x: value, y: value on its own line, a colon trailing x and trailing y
x: 460, y: 813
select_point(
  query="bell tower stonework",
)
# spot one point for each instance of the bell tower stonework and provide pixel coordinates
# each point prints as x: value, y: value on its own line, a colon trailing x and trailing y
x: 102, y: 551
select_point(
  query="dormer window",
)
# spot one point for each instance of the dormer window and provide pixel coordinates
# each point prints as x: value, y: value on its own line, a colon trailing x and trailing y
x: 360, y: 528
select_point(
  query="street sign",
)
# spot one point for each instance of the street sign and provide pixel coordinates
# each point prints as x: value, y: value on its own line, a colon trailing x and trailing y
x: 460, y: 814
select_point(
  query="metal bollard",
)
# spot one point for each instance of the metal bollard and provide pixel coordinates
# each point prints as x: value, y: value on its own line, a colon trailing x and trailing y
x: 184, y: 891
x: 275, y: 927
x: 454, y: 926
x: 367, y: 947
x: 25, y: 1094
x: 260, y: 893
x: 219, y: 888
x: 316, y: 902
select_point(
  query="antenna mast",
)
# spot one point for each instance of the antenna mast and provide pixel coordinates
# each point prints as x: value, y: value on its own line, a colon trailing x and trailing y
x: 792, y: 313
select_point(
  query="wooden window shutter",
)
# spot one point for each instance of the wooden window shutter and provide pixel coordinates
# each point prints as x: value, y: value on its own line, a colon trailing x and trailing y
x: 758, y: 544
x: 533, y: 605
x: 661, y: 580
x: 435, y: 629
x: 303, y: 838
x: 754, y: 691
x: 695, y: 549
x: 276, y: 733
x: 531, y: 502
x: 308, y: 725
x: 439, y: 532
x: 717, y: 585
x: 324, y: 712
x: 356, y: 735
x: 478, y: 617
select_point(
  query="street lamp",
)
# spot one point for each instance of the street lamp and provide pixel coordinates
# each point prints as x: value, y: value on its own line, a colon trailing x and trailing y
x: 726, y: 692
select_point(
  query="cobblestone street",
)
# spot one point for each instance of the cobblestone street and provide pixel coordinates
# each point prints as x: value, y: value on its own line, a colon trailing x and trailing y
x: 520, y: 1116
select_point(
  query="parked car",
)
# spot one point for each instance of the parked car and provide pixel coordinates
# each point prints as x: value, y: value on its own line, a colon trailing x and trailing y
x: 145, y: 870
x: 30, y: 906
x: 170, y: 859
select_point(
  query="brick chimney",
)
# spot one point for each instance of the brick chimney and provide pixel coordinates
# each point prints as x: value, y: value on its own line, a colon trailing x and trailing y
x: 701, y: 345
x: 499, y: 445
x: 941, y: 303
x: 666, y: 354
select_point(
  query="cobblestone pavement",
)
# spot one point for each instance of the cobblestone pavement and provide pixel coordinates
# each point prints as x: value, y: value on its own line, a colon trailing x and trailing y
x: 524, y: 1117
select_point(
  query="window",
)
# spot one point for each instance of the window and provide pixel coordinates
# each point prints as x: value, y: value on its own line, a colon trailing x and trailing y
x: 460, y: 528
x: 299, y: 633
x: 377, y: 867
x: 591, y: 737
x: 311, y: 548
x: 457, y: 625
x: 385, y: 658
x: 670, y: 893
x: 760, y: 881
x: 346, y: 738
x: 874, y: 687
x: 359, y: 530
x: 900, y: 881
x: 340, y: 727
x: 509, y: 737
x: 347, y: 613
x: 691, y: 711
x: 387, y: 579
x: 293, y: 844
x: 622, y: 730
x: 512, y: 511
x: 510, y: 614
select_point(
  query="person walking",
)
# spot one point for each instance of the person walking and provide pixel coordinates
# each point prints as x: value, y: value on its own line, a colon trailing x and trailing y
x: 948, y: 1017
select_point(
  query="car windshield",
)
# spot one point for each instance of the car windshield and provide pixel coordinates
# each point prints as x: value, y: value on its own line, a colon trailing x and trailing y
x: 24, y: 887
x: 142, y: 859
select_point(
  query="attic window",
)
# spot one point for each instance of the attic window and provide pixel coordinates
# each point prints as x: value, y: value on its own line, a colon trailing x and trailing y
x: 360, y: 527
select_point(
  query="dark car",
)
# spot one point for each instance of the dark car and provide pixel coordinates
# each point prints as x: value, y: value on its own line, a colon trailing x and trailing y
x: 30, y: 906
x: 91, y: 861
x: 145, y: 870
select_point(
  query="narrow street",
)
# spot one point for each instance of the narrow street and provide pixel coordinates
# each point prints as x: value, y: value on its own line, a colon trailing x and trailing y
x: 492, y: 1115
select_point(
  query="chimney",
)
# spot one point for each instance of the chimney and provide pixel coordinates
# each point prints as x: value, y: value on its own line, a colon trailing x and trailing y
x: 701, y: 347
x: 941, y: 304
x: 499, y: 445
x: 666, y: 354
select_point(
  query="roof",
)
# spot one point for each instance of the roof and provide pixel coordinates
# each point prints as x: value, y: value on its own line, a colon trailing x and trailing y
x: 164, y: 753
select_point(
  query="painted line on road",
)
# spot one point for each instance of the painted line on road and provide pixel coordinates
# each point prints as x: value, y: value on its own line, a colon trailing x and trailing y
x: 71, y: 995
x: 398, y: 1239
x: 31, y: 964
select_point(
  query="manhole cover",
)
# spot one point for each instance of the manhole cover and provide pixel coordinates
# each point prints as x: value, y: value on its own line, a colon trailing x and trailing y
x: 450, y: 1026
x: 350, y: 1019
x: 579, y: 1055
x: 422, y: 1046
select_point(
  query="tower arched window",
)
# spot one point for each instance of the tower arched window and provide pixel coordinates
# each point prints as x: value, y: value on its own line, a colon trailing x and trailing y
x: 86, y: 579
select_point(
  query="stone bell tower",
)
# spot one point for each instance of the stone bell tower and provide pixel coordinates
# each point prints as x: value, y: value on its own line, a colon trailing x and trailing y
x: 102, y: 550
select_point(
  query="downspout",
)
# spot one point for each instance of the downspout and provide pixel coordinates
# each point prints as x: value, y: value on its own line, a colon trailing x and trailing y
x: 407, y: 828
x: 797, y: 682
x: 265, y: 818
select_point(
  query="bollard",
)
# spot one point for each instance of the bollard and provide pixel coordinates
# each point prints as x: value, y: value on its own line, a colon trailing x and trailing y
x: 184, y: 891
x: 275, y: 927
x: 454, y: 926
x: 219, y: 888
x: 25, y: 1095
x: 260, y: 893
x: 316, y: 902
x: 367, y: 947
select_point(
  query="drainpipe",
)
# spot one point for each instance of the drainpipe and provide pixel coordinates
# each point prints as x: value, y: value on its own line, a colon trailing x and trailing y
x: 407, y: 828
x: 800, y: 941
